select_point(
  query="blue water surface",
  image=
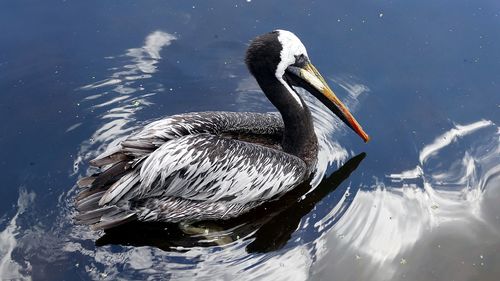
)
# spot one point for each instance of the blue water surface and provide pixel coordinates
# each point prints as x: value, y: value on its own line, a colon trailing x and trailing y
x: 418, y: 202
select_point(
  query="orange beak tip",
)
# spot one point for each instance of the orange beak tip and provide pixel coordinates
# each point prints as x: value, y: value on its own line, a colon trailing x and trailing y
x: 364, y: 136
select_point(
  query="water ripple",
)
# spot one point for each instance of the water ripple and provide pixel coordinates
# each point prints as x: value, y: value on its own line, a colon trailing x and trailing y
x: 11, y: 269
x: 123, y: 94
x: 445, y: 190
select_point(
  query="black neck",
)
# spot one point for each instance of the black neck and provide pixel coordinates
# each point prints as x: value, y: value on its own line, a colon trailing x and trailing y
x: 299, y: 138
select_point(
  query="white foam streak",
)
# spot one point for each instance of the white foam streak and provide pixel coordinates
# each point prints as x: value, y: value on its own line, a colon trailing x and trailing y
x: 384, y: 222
x: 9, y: 268
x: 450, y: 136
x: 102, y: 83
x: 124, y: 94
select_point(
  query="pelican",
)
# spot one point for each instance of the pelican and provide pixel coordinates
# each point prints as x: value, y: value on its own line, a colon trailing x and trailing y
x: 216, y: 165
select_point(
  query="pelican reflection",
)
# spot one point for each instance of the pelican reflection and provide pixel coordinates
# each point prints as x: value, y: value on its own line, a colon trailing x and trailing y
x: 269, y: 226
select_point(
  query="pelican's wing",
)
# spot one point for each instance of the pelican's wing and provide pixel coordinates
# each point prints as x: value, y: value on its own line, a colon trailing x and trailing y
x: 210, y: 168
x: 155, y: 134
x: 188, y: 167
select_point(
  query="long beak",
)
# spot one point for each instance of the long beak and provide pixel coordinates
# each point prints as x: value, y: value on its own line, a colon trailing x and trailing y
x: 312, y: 81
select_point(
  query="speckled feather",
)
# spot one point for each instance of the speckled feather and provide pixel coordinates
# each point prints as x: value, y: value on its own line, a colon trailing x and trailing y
x: 190, y: 167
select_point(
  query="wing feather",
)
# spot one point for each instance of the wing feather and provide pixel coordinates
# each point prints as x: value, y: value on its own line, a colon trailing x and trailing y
x: 155, y: 134
x: 210, y: 168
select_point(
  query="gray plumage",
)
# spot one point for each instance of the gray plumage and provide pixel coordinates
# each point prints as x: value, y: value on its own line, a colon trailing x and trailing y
x: 195, y: 166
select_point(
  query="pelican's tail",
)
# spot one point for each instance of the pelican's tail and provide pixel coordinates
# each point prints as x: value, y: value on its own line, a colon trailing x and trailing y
x: 94, y: 187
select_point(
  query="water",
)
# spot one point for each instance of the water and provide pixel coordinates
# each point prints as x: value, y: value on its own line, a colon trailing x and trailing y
x: 419, y: 202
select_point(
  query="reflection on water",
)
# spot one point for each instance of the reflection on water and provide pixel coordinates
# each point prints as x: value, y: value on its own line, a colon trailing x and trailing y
x: 385, y: 226
x: 11, y: 269
x: 123, y: 94
x: 270, y: 225
x: 414, y: 201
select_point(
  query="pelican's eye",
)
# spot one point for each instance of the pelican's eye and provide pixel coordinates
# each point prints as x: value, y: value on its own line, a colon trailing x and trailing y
x: 300, y: 60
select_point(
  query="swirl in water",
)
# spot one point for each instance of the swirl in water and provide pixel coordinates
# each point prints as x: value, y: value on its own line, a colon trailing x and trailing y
x: 408, y: 214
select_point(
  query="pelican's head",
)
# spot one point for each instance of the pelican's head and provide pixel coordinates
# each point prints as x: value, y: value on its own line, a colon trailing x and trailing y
x: 281, y: 55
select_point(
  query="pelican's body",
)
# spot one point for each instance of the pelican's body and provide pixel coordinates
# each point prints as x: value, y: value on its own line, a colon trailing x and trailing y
x: 216, y: 165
